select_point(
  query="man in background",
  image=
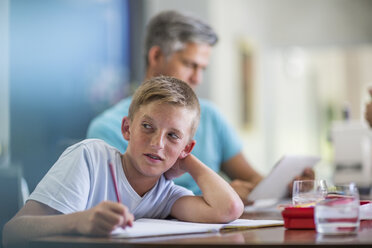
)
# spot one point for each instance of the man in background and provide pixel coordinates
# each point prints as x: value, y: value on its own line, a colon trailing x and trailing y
x: 180, y: 45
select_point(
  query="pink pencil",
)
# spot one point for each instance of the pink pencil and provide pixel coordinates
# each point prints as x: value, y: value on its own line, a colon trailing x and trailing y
x: 114, y: 180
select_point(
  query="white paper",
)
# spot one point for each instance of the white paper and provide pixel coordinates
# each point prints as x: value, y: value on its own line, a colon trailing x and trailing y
x: 245, y: 224
x: 274, y: 185
x: 156, y: 227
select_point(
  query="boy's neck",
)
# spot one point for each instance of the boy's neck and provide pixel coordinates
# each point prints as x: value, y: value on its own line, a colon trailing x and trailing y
x: 140, y: 183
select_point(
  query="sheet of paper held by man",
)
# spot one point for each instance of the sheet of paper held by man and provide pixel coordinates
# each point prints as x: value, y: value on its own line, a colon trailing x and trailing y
x: 159, y: 227
x: 275, y: 185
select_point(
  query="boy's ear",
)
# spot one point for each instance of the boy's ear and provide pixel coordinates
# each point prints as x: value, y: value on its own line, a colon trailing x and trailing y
x: 125, y: 123
x: 188, y: 149
x: 154, y: 56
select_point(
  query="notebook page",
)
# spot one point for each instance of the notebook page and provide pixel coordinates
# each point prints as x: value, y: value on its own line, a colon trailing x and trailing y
x: 156, y: 227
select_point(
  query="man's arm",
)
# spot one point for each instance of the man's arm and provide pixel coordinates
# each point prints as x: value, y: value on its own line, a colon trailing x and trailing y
x: 218, y: 203
x: 245, y: 178
x: 36, y: 220
x: 238, y: 167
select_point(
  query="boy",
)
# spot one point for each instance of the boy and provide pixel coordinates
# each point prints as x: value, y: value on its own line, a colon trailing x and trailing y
x: 77, y: 196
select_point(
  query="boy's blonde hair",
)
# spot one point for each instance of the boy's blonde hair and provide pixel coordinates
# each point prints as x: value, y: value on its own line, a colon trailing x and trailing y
x: 168, y: 90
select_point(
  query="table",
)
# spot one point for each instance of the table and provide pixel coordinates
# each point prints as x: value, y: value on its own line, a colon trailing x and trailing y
x: 262, y: 237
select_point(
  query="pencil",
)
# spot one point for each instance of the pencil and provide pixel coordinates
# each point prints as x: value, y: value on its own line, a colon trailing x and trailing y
x: 114, y: 181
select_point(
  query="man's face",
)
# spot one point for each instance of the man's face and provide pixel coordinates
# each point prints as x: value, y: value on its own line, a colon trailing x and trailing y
x: 187, y: 64
x: 157, y: 136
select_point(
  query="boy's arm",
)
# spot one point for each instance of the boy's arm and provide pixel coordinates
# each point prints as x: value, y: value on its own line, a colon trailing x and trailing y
x: 218, y: 203
x: 36, y: 220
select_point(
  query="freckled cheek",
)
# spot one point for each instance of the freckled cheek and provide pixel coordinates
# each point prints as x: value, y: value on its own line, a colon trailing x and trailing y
x: 141, y: 140
x: 173, y: 151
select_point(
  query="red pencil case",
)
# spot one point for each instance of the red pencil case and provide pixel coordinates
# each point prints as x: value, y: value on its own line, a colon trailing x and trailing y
x: 301, y: 218
x: 298, y: 218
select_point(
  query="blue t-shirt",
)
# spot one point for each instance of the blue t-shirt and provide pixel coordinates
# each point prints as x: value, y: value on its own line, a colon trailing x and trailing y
x: 216, y: 140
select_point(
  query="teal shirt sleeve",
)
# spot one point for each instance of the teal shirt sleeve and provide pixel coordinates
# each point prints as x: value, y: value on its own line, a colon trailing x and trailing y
x: 107, y: 126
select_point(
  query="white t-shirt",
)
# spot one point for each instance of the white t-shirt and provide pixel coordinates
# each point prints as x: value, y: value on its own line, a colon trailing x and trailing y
x: 80, y: 179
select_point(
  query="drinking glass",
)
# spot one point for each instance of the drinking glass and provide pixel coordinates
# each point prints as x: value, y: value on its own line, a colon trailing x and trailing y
x: 339, y: 212
x: 308, y: 192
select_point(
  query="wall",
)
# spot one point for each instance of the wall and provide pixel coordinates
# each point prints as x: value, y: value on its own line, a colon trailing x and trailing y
x: 69, y: 60
x: 4, y: 82
x: 285, y: 117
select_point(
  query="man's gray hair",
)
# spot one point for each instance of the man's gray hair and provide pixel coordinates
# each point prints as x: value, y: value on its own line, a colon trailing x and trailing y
x: 171, y: 30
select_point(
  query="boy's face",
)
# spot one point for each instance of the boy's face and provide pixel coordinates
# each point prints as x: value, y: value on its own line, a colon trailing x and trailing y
x: 158, y: 135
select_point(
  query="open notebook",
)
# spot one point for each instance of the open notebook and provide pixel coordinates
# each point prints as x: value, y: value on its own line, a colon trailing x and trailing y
x: 156, y: 227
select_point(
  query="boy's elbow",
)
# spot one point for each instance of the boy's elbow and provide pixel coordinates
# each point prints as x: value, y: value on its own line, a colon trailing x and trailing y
x: 237, y: 209
x: 234, y: 210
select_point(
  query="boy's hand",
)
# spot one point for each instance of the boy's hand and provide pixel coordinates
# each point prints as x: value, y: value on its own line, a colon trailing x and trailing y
x: 176, y: 170
x: 103, y: 218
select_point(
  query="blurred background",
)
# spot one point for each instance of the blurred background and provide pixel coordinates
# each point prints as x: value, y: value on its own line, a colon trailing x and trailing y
x: 290, y: 75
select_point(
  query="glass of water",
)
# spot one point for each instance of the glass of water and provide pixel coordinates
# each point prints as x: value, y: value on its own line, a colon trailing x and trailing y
x: 307, y: 193
x: 339, y: 212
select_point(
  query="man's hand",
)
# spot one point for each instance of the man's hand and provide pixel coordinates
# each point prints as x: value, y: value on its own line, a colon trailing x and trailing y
x: 243, y: 188
x: 103, y: 218
x: 307, y: 174
x: 368, y: 114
